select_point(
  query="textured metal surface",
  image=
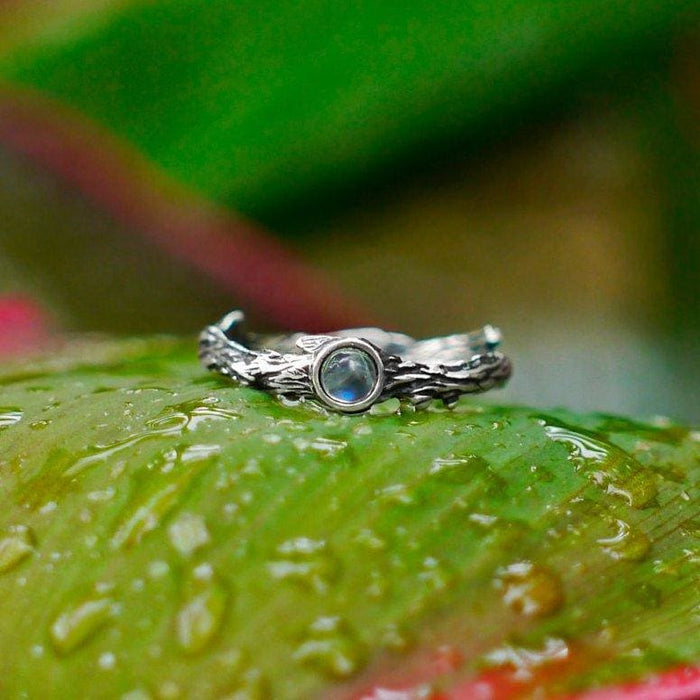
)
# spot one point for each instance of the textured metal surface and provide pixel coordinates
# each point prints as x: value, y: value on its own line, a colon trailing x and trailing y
x: 414, y: 370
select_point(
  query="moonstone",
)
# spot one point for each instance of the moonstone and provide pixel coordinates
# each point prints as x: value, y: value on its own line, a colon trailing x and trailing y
x: 348, y: 375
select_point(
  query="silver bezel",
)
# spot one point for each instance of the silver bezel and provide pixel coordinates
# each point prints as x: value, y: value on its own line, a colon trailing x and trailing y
x: 327, y: 349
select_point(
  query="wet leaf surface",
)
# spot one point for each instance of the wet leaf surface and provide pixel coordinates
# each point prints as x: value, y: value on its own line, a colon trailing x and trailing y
x: 167, y: 534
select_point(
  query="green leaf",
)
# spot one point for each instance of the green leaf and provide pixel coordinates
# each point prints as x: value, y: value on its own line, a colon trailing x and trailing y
x: 245, y: 101
x: 165, y: 532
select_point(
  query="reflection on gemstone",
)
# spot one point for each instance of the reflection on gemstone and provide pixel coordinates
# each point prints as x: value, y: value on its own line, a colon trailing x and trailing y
x: 348, y: 375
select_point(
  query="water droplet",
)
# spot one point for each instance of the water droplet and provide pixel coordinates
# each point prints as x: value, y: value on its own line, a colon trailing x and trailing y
x: 9, y: 416
x: 188, y: 534
x: 15, y: 546
x: 529, y: 589
x: 330, y: 646
x: 76, y: 625
x: 627, y: 543
x: 199, y: 411
x: 396, y: 493
x: 169, y: 690
x: 48, y: 507
x: 136, y: 694
x: 271, y: 438
x: 378, y: 585
x: 158, y: 568
x: 198, y: 453
x: 525, y: 660
x: 482, y: 519
x: 200, y: 618
x: 606, y: 465
x: 101, y: 495
x: 252, y: 685
x: 306, y: 561
x: 328, y: 446
x: 145, y: 517
x: 394, y: 637
x: 390, y: 407
x: 434, y: 574
x: 107, y: 661
x: 369, y: 539
x: 100, y: 453
x: 40, y: 424
x: 458, y: 470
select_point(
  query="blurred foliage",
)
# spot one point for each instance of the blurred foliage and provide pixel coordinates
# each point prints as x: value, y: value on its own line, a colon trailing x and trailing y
x: 259, y: 104
x: 302, y: 114
x: 165, y: 532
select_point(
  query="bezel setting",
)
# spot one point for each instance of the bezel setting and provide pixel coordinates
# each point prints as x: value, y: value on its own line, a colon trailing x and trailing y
x: 328, y: 349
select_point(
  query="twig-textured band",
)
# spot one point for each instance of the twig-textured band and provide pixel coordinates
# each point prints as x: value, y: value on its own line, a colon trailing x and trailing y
x: 374, y: 364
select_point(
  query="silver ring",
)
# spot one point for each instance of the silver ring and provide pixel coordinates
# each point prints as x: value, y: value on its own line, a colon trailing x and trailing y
x: 350, y: 370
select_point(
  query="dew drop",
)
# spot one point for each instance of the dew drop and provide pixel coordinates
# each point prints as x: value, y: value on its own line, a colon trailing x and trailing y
x: 396, y: 493
x: 394, y: 637
x: 9, y: 416
x: 136, y: 694
x: 200, y: 618
x: 306, y: 561
x: 188, y: 534
x: 158, y: 569
x: 626, y: 544
x: 390, y: 407
x: 169, y: 690
x: 107, y: 661
x: 145, y: 517
x: 75, y: 626
x: 198, y: 453
x: 524, y: 660
x: 327, y: 446
x: 458, y: 470
x: 529, y: 589
x: 483, y: 519
x: 40, y: 424
x: 15, y: 546
x: 378, y: 585
x: 252, y: 685
x: 434, y: 574
x: 331, y: 647
x: 369, y: 539
x: 606, y: 465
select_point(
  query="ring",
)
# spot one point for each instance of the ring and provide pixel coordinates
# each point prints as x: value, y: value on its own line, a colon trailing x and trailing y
x: 350, y: 370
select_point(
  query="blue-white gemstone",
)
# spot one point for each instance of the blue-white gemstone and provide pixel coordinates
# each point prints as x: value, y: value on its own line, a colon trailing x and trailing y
x: 348, y: 375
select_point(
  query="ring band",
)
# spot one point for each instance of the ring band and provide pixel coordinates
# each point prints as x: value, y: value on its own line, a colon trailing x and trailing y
x: 350, y: 370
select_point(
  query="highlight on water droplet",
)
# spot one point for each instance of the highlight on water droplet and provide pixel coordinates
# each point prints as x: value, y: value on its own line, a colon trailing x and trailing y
x: 434, y: 574
x: 9, y: 415
x: 76, y: 625
x: 529, y: 589
x: 524, y: 660
x: 330, y: 646
x: 396, y: 493
x: 136, y: 694
x: 188, y: 533
x: 458, y: 469
x: 628, y: 543
x: 605, y: 464
x: 200, y: 618
x: 306, y: 561
x: 15, y: 546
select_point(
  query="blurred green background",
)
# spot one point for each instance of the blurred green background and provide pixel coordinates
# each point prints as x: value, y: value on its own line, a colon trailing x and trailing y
x: 529, y: 163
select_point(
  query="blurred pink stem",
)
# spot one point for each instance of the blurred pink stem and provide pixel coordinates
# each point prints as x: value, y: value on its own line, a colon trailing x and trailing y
x: 258, y: 271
